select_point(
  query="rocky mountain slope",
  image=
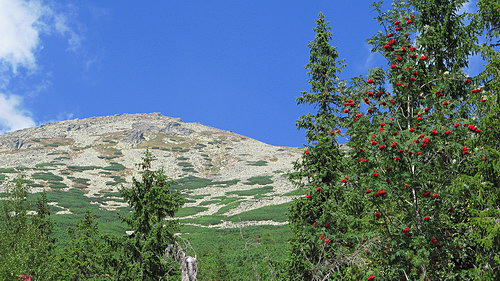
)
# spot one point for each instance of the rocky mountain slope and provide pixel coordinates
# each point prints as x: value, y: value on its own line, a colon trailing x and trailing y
x: 221, y: 173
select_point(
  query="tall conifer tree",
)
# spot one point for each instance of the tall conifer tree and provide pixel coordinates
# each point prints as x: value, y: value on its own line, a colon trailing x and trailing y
x: 145, y: 251
x: 321, y: 164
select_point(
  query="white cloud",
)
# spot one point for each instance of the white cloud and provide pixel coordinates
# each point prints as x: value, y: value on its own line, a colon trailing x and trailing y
x: 19, y: 32
x: 21, y: 24
x: 12, y: 116
x: 369, y: 60
x: 61, y: 26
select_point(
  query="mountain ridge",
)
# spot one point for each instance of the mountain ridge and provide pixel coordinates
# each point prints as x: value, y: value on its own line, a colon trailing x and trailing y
x: 97, y: 155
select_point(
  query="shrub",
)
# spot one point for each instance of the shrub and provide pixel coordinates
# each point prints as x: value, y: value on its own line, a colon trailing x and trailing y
x: 7, y: 170
x: 277, y: 213
x: 82, y: 168
x: 53, y: 184
x: 257, y: 163
x: 114, y: 167
x: 185, y: 164
x: 46, y: 176
x: 82, y: 181
x: 260, y: 180
x: 189, y: 211
x: 251, y: 192
x: 117, y: 180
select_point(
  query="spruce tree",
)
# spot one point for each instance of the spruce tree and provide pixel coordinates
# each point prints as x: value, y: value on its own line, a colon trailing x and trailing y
x: 483, y: 177
x: 323, y: 127
x: 321, y: 164
x: 86, y: 255
x: 144, y: 253
x: 26, y: 243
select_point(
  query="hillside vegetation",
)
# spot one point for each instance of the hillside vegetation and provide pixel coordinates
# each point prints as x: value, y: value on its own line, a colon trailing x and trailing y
x: 398, y: 179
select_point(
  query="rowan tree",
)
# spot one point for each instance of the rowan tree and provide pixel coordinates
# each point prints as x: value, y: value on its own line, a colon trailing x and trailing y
x: 401, y: 209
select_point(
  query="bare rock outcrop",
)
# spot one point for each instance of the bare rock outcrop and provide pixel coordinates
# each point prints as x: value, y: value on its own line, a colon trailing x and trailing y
x: 15, y: 143
x: 175, y: 129
x: 135, y: 137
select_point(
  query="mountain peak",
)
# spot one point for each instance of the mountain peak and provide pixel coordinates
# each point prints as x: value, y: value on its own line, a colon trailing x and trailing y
x: 96, y: 155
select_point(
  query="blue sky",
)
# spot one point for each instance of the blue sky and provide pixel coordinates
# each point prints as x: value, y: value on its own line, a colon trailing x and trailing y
x: 235, y: 65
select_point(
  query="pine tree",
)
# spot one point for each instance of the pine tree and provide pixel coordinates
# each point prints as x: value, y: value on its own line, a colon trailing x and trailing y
x: 483, y: 178
x: 26, y: 243
x: 86, y: 254
x: 322, y: 127
x: 321, y: 164
x: 145, y: 251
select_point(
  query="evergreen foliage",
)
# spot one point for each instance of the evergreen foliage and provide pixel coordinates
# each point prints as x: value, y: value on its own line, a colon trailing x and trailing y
x: 322, y: 163
x: 483, y: 177
x: 143, y: 254
x: 86, y: 255
x: 413, y: 195
x: 26, y: 245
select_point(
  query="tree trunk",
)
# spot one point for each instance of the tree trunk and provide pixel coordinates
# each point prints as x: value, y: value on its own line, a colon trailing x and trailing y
x: 189, y: 265
x: 189, y: 268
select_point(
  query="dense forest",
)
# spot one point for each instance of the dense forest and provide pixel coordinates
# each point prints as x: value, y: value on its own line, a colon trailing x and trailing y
x: 414, y: 196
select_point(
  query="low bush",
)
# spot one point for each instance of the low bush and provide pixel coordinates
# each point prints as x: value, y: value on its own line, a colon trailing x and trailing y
x: 115, y: 167
x: 46, y: 177
x: 260, y: 180
x: 82, y: 168
x: 251, y: 192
